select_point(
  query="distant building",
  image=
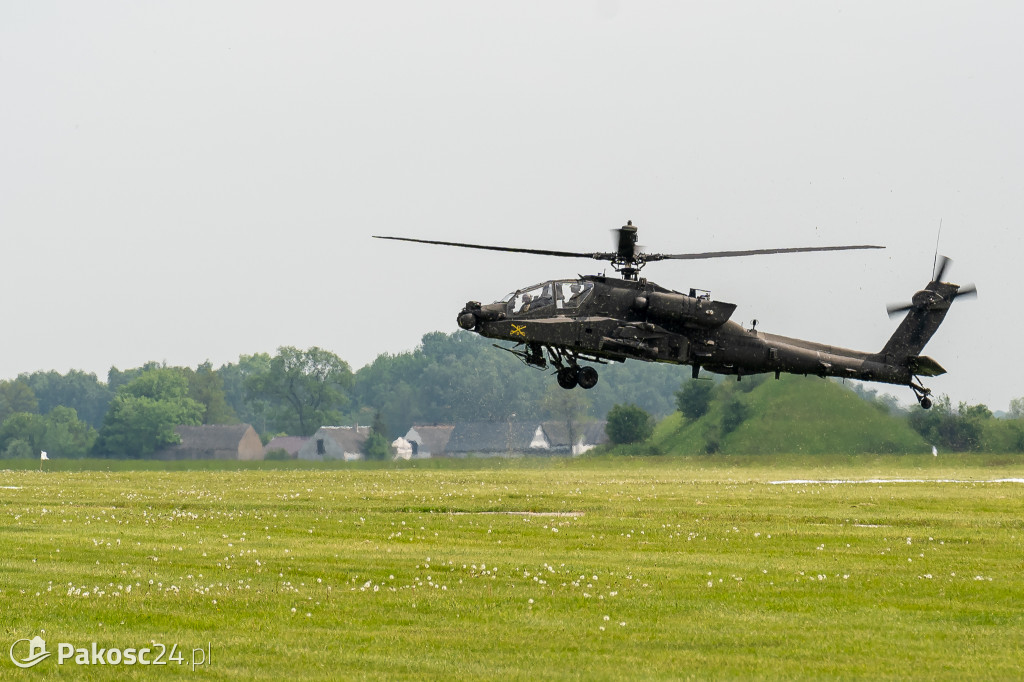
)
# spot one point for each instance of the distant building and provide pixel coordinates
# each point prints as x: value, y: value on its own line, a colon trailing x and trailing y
x: 215, y: 441
x: 336, y: 442
x: 588, y: 435
x: 290, y: 444
x: 495, y: 439
x: 498, y: 439
x: 429, y: 441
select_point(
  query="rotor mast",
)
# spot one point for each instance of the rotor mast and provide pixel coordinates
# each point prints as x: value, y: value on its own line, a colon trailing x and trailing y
x: 627, y: 259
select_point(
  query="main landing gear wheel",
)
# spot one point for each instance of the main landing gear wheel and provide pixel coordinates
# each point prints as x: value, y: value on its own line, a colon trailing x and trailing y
x: 587, y: 377
x: 922, y: 394
x: 567, y: 377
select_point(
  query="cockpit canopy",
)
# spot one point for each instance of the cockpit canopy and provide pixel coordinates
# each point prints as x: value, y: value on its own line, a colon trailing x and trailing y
x: 559, y: 295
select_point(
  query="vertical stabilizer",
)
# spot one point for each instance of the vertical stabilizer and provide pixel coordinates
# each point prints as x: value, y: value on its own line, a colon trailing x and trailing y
x: 924, y: 316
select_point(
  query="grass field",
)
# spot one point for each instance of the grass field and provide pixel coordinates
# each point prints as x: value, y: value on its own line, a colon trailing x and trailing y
x: 624, y: 568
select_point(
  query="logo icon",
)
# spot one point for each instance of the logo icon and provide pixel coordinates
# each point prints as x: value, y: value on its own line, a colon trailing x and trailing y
x: 519, y: 330
x: 36, y: 652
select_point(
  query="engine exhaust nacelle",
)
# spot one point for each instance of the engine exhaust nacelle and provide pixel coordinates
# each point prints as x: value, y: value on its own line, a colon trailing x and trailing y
x: 700, y: 312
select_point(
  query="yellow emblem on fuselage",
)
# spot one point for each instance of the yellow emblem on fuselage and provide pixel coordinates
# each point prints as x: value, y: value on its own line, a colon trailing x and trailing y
x: 519, y: 330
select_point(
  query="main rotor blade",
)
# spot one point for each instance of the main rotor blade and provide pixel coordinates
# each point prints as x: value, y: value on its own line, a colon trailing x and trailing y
x: 752, y: 252
x: 541, y: 252
x: 940, y: 268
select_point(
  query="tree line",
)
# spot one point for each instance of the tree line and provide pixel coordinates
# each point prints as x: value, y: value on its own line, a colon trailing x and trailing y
x: 448, y: 378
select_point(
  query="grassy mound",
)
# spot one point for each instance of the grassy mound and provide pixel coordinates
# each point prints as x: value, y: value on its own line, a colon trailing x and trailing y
x: 791, y: 415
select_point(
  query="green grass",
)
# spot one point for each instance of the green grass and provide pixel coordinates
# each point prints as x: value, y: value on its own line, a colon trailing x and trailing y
x: 664, y: 567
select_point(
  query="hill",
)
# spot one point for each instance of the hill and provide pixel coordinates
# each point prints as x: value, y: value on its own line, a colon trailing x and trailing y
x: 792, y: 415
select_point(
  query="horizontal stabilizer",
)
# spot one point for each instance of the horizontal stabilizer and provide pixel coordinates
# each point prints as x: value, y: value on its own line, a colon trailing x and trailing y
x: 922, y: 365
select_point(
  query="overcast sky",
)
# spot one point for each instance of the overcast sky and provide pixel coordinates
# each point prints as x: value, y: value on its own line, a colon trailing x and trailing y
x: 190, y: 181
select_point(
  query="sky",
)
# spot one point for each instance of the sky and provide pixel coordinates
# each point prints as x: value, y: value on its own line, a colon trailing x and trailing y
x: 193, y: 181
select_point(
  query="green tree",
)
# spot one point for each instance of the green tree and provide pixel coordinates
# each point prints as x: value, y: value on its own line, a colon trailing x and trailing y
x: 143, y: 414
x: 734, y: 413
x: 66, y: 435
x: 16, y: 396
x: 116, y: 378
x: 82, y: 391
x: 1016, y: 408
x: 694, y: 398
x: 206, y: 387
x: 61, y: 433
x: 25, y: 427
x: 959, y: 430
x: 249, y: 408
x: 462, y: 377
x: 379, y: 425
x: 305, y: 389
x: 628, y: 424
x: 377, y: 446
x: 18, y: 449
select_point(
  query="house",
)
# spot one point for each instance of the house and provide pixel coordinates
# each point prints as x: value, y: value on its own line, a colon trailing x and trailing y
x: 594, y: 434
x: 506, y: 438
x: 290, y: 444
x: 429, y: 441
x: 215, y: 441
x: 496, y: 439
x: 336, y: 442
x: 588, y: 435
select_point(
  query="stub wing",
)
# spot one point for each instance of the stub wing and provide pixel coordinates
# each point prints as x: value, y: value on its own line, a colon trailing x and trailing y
x: 924, y: 366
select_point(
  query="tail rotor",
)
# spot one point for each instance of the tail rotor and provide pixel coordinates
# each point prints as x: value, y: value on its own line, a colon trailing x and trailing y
x: 937, y: 293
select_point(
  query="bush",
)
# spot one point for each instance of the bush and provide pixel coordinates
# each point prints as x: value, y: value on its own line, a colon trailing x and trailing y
x: 628, y: 424
x: 377, y: 447
x: 694, y: 398
x: 18, y: 448
x: 277, y: 455
x: 734, y: 414
x: 750, y: 382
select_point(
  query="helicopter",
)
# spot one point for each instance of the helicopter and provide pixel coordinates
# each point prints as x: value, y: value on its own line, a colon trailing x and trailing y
x: 599, y: 319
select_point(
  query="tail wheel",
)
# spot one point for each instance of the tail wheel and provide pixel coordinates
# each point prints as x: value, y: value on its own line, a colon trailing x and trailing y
x: 567, y: 377
x: 587, y: 377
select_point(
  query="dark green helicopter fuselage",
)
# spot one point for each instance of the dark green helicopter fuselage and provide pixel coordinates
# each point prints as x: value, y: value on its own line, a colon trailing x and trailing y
x: 604, y: 319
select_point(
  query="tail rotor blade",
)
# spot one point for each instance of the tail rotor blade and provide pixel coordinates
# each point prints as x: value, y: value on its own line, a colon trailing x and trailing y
x: 968, y: 290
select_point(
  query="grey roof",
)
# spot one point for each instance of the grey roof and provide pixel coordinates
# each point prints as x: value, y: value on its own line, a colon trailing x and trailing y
x: 211, y: 436
x: 290, y: 444
x: 491, y: 437
x: 435, y: 438
x: 350, y: 438
x: 592, y: 433
x: 213, y: 441
x: 558, y: 433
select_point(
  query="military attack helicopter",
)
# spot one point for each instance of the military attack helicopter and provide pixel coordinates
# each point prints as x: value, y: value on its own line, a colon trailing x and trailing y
x: 599, y: 319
